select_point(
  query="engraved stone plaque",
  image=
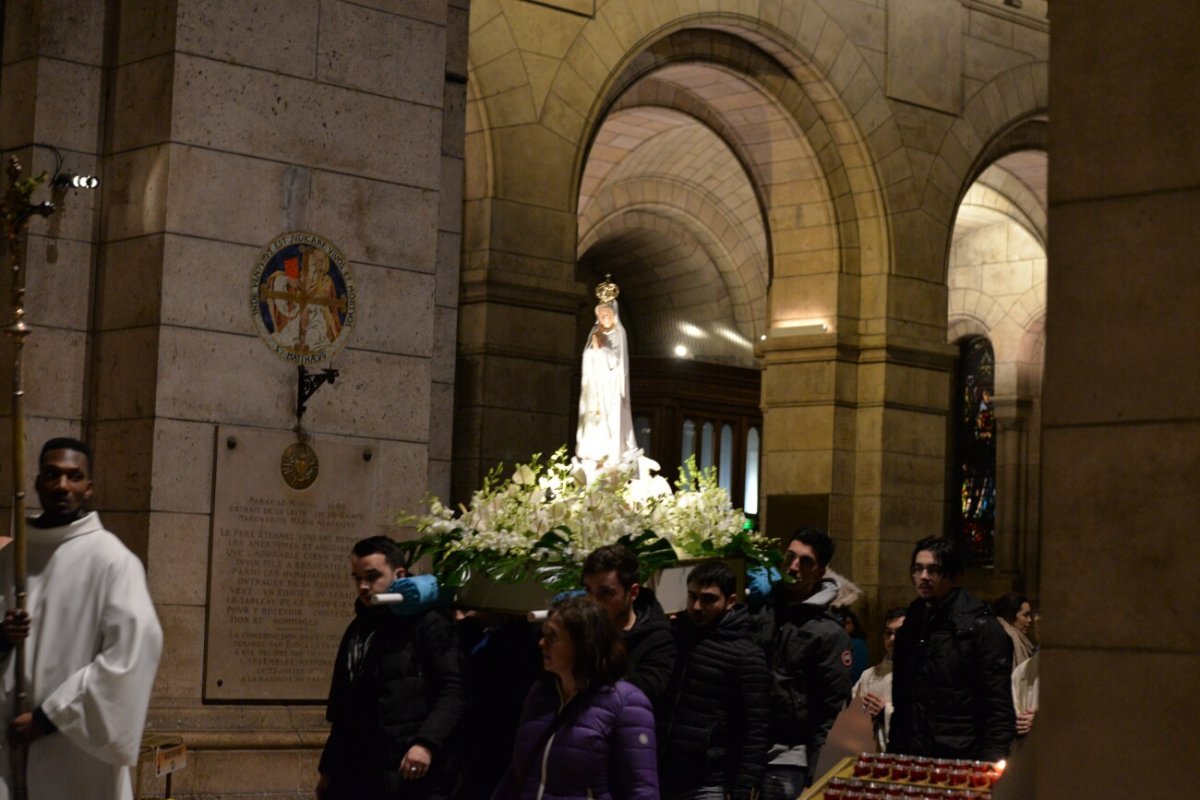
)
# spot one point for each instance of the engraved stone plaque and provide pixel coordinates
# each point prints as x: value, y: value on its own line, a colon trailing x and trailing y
x: 280, y: 594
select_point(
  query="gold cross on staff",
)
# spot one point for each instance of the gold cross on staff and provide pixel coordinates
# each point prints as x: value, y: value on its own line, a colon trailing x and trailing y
x: 303, y: 298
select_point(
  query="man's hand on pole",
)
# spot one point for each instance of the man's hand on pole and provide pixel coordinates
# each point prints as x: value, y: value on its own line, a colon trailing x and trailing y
x: 16, y: 626
x: 25, y: 729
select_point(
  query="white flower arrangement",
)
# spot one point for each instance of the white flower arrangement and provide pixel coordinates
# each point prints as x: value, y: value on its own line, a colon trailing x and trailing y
x: 548, y: 515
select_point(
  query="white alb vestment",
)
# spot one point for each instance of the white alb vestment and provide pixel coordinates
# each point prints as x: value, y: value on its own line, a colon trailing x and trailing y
x: 605, y: 431
x: 877, y: 680
x: 90, y: 661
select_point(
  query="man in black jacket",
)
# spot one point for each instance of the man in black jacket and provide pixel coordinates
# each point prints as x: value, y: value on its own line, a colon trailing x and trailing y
x: 712, y: 722
x: 808, y: 652
x: 952, y: 683
x: 396, y: 697
x: 610, y: 577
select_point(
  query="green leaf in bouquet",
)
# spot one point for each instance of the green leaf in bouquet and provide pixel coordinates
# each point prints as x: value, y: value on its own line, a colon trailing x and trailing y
x: 558, y: 577
x: 554, y: 539
x: 506, y: 570
x: 653, y: 552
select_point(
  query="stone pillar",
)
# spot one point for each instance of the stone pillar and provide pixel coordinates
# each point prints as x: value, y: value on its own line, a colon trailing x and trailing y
x: 862, y: 426
x: 1121, y: 407
x: 517, y: 329
x: 52, y: 94
x: 216, y: 126
x: 904, y: 390
x: 808, y: 437
x: 1010, y: 500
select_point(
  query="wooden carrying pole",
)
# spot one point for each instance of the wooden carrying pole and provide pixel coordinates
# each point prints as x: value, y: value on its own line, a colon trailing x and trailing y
x: 17, y: 209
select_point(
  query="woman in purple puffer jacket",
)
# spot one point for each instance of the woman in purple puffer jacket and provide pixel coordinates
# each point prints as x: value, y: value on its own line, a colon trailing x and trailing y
x: 585, y: 734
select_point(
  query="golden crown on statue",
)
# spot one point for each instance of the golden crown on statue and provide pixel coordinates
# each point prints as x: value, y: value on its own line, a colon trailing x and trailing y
x: 606, y: 290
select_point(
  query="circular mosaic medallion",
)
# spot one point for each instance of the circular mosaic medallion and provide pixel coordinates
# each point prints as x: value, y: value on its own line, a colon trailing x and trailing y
x: 299, y: 466
x: 302, y: 297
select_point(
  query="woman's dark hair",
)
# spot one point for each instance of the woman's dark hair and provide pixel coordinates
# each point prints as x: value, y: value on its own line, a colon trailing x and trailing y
x: 1009, y: 606
x: 599, y: 651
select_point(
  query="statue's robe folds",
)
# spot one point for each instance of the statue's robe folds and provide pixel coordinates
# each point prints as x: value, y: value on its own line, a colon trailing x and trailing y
x: 605, y: 431
x: 90, y: 661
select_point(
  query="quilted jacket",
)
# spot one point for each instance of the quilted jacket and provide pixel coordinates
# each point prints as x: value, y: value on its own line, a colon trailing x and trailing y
x: 604, y: 748
x: 713, y: 721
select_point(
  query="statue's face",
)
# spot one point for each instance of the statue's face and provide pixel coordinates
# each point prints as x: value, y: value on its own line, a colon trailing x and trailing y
x: 605, y: 317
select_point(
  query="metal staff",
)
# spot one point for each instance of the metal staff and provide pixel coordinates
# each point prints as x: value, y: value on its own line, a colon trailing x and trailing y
x: 16, y: 210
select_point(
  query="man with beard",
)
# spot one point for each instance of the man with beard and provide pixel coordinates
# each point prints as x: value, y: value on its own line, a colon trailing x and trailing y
x: 952, y: 685
x: 712, y: 723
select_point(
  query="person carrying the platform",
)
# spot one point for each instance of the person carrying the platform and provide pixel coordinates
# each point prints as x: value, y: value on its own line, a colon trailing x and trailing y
x: 610, y: 577
x: 808, y: 653
x: 397, y: 693
x: 712, y: 722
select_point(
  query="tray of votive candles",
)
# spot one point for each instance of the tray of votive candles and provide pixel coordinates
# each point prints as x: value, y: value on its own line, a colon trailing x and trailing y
x: 888, y: 776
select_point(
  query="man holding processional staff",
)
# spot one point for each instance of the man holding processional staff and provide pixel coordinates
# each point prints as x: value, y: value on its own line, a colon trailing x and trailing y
x: 91, y: 640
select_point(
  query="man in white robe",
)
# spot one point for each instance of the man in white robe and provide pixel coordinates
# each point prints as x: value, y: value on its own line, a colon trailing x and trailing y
x: 92, y: 647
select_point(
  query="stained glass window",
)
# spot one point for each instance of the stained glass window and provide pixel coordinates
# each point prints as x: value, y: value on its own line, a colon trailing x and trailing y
x: 976, y: 450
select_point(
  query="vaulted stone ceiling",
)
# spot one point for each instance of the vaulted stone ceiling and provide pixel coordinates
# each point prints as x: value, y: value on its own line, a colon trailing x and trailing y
x: 668, y: 205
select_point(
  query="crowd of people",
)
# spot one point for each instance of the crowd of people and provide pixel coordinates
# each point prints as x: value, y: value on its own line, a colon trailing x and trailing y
x: 608, y: 698
x: 611, y: 698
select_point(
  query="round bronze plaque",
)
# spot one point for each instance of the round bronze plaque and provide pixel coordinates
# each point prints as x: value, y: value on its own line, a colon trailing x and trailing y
x: 299, y: 466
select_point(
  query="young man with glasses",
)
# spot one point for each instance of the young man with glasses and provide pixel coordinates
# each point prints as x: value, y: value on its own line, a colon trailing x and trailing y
x: 808, y: 653
x: 952, y: 685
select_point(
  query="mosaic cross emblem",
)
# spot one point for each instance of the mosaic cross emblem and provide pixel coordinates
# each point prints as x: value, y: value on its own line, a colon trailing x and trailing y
x: 302, y: 297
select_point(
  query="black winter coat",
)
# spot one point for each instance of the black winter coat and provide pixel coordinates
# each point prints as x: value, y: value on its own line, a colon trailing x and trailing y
x: 712, y: 723
x: 397, y: 682
x: 952, y: 684
x: 650, y: 646
x: 808, y: 653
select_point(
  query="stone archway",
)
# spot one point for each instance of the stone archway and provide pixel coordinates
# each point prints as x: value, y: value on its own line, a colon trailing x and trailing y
x: 996, y: 272
x: 797, y: 114
x: 837, y: 254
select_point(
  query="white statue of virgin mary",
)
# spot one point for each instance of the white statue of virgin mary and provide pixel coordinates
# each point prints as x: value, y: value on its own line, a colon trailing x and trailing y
x: 605, y: 432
